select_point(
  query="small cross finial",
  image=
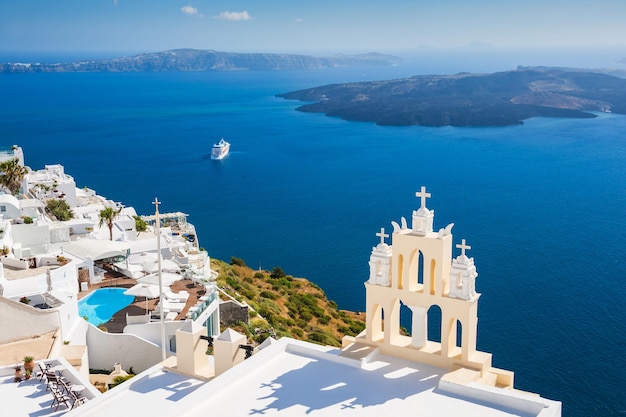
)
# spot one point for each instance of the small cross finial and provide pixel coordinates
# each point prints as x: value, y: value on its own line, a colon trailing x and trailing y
x: 423, y: 195
x: 463, y: 247
x: 382, y: 235
x: 156, y: 202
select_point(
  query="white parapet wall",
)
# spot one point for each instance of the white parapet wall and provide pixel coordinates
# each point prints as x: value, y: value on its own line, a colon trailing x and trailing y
x: 107, y: 349
x: 20, y: 321
x: 523, y: 403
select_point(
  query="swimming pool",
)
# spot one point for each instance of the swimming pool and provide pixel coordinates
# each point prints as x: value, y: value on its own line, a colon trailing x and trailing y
x: 99, y: 306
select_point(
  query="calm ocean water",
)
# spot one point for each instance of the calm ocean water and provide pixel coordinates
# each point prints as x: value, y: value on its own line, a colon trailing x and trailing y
x: 541, y: 204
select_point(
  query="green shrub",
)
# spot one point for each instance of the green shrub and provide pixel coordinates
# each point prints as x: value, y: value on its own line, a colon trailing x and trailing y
x: 59, y: 209
x: 119, y: 379
x: 322, y: 338
x: 268, y: 294
x: 306, y: 315
x: 140, y: 224
x: 249, y: 293
x: 277, y: 272
x: 356, y: 328
x: 237, y: 261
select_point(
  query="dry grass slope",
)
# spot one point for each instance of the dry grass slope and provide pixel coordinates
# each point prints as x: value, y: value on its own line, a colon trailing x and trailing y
x: 286, y: 306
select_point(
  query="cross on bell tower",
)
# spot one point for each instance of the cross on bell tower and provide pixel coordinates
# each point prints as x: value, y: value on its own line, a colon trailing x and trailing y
x: 382, y: 235
x: 423, y: 195
x: 463, y: 247
x: 423, y: 218
x: 380, y: 261
x: 463, y: 275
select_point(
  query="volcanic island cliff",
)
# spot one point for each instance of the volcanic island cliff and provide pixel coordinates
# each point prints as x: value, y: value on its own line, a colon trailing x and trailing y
x: 498, y: 99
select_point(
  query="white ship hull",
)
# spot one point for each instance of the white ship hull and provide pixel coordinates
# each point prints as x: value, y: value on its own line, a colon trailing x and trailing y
x: 220, y: 150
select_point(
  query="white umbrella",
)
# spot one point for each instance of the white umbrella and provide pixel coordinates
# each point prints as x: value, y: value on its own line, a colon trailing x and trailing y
x: 151, y: 266
x: 167, y: 279
x: 139, y: 258
x: 143, y: 290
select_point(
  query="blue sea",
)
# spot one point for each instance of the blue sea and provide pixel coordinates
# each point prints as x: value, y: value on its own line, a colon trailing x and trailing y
x: 542, y: 204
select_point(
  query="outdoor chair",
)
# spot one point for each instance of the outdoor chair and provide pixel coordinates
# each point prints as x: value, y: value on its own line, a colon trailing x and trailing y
x: 77, y: 399
x: 65, y: 384
x: 42, y: 370
x: 60, y: 398
x: 51, y: 380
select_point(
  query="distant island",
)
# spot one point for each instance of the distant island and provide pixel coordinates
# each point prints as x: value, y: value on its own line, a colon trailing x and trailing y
x: 204, y: 60
x: 498, y: 99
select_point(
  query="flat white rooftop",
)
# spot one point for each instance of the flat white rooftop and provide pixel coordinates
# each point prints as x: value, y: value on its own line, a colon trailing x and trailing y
x: 32, y: 398
x: 293, y: 378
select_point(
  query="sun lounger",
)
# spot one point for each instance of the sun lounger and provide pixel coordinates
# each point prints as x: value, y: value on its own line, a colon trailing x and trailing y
x: 176, y: 296
x: 173, y: 306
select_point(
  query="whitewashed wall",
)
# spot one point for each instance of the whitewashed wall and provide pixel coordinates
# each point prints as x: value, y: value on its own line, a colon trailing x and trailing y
x: 107, y: 349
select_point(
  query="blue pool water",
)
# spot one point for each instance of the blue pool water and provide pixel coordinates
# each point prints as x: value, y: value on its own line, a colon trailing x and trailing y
x: 99, y: 306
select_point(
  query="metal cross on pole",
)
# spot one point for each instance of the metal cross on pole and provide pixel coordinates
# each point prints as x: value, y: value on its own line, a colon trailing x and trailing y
x: 158, y: 237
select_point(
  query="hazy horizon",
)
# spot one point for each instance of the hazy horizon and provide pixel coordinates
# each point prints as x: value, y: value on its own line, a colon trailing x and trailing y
x: 319, y: 28
x: 423, y: 61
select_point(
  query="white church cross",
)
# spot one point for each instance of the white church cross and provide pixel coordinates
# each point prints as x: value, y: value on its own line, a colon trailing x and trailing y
x: 382, y: 235
x: 156, y: 203
x: 463, y: 247
x: 423, y: 195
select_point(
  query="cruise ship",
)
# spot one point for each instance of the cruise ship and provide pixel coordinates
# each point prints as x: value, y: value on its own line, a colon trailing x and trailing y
x: 220, y: 149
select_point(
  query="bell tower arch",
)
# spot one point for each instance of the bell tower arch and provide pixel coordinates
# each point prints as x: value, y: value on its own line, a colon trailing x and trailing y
x: 418, y: 270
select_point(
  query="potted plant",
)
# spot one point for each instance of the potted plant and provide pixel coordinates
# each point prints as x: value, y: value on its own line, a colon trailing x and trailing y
x: 18, y: 374
x: 27, y: 374
x: 25, y: 300
x: 29, y: 364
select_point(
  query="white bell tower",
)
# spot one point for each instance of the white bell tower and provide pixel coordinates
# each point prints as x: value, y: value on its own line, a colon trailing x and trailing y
x: 463, y: 275
x: 380, y: 262
x: 418, y: 271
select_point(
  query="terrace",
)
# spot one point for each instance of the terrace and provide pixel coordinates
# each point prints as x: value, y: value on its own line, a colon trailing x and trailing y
x: 33, y: 397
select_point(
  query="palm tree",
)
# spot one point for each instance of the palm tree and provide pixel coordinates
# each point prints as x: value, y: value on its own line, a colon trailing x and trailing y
x: 12, y: 175
x: 106, y: 216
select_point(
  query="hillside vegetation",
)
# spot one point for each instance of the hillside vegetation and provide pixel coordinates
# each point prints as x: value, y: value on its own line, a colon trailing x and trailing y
x: 285, y: 306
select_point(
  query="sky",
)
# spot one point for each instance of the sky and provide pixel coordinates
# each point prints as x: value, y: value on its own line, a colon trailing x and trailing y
x: 307, y: 26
